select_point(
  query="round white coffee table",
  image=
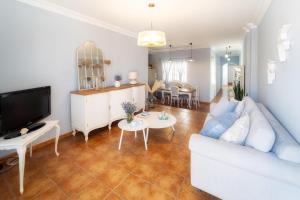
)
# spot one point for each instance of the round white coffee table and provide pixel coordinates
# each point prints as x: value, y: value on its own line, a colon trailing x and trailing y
x: 136, y: 125
x: 156, y: 123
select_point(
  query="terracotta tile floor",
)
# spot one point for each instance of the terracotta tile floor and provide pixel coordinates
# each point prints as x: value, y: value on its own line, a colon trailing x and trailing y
x: 97, y: 170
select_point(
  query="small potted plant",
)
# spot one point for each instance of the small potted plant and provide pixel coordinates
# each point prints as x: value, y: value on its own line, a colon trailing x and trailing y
x: 129, y: 109
x: 118, y: 78
x: 238, y: 91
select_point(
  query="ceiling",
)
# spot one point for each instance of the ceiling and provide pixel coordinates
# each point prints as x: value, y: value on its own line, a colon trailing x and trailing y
x: 204, y: 22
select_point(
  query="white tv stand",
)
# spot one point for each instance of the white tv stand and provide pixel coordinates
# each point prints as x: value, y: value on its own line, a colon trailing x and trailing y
x: 20, y: 144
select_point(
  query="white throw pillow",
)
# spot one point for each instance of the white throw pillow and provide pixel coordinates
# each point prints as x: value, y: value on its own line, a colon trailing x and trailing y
x: 261, y: 135
x: 224, y: 106
x: 238, y: 132
x: 239, y: 108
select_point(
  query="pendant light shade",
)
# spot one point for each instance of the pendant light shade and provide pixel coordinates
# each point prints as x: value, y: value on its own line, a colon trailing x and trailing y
x: 151, y: 38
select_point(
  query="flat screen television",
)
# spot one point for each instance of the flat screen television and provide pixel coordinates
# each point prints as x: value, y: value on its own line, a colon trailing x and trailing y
x: 20, y: 109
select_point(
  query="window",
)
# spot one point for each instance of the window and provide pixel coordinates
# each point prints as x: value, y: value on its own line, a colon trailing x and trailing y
x: 174, y: 70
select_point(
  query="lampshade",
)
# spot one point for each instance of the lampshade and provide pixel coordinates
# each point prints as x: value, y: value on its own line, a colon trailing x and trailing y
x: 151, y: 38
x: 132, y: 75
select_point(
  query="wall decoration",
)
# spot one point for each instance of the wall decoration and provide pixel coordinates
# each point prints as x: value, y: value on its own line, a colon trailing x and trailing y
x: 90, y: 66
x: 283, y: 46
x: 283, y: 42
x: 271, y: 71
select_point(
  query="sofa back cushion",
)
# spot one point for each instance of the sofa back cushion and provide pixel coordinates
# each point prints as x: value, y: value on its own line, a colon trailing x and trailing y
x: 222, y: 107
x: 261, y: 135
x: 250, y: 105
x: 239, y: 109
x: 285, y: 146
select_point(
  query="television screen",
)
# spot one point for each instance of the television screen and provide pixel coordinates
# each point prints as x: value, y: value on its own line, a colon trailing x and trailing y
x: 21, y: 108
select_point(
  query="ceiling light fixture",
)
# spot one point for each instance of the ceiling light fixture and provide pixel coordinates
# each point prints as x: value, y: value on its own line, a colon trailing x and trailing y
x: 228, y: 53
x: 170, y: 58
x: 151, y: 38
x: 190, y: 59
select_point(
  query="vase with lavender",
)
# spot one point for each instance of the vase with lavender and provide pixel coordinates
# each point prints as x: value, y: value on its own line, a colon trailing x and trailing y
x: 129, y: 109
x: 118, y: 78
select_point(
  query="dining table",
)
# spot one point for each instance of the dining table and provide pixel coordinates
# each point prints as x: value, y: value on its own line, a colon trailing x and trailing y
x: 182, y: 91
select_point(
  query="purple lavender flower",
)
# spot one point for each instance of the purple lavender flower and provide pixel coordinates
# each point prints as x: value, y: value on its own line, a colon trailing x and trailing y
x: 129, y: 107
x: 118, y: 77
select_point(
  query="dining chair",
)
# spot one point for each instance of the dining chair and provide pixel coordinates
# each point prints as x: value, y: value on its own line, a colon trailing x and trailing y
x: 174, y: 95
x: 184, y: 98
x: 196, y: 98
x: 166, y: 97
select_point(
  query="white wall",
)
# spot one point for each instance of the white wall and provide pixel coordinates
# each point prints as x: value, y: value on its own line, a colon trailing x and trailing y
x: 250, y: 61
x: 218, y: 73
x: 38, y: 49
x: 213, y: 75
x: 198, y: 73
x: 283, y: 96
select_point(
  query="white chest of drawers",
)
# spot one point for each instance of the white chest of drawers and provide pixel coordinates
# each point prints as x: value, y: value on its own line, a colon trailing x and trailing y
x: 92, y: 109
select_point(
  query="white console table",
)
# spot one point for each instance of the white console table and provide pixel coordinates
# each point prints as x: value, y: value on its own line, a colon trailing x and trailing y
x: 97, y: 108
x: 20, y: 144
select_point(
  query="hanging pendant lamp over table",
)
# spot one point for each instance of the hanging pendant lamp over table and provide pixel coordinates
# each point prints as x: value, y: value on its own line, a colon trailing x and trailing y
x: 190, y: 59
x: 170, y: 58
x: 151, y: 38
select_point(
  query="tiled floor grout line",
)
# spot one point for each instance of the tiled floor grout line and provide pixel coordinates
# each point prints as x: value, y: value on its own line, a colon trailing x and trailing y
x: 56, y: 184
x: 139, y: 178
x: 9, y: 187
x: 180, y: 189
x: 123, y: 180
x: 107, y: 195
x: 152, y: 183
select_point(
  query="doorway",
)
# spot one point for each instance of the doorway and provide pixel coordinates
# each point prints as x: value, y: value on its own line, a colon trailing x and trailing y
x: 225, y: 75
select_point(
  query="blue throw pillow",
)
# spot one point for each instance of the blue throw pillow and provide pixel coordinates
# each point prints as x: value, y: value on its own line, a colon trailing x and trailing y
x: 216, y: 126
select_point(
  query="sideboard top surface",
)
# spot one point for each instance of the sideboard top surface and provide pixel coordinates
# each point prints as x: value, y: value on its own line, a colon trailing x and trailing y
x: 105, y: 89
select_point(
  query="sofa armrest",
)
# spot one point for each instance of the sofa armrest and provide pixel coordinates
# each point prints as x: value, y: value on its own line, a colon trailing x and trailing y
x: 246, y: 158
x: 211, y: 147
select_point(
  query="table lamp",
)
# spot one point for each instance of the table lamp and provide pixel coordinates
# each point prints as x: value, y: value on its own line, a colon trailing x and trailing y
x: 132, y: 76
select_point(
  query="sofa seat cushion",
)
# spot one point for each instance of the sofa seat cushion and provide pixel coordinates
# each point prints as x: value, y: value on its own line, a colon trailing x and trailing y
x: 216, y: 126
x: 246, y: 158
x: 261, y: 135
x: 285, y: 146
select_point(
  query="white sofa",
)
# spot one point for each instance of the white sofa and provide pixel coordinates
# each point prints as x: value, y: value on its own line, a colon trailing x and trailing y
x: 237, y: 172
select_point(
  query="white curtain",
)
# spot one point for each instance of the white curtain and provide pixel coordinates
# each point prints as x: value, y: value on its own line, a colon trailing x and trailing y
x: 175, y: 70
